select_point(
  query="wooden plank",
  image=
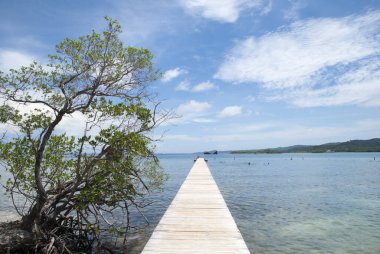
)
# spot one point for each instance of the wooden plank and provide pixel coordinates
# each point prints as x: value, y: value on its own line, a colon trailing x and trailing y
x: 197, y: 220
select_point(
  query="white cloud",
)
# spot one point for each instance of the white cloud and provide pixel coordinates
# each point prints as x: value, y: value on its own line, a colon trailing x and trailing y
x: 144, y: 21
x: 180, y: 137
x: 203, y: 120
x: 172, y: 74
x: 267, y: 8
x: 295, y: 7
x: 11, y: 59
x: 191, y: 111
x: 201, y: 87
x: 360, y: 86
x: 192, y: 107
x: 251, y: 98
x: 183, y: 86
x: 204, y: 86
x: 230, y: 111
x: 74, y: 124
x: 311, y: 60
x: 222, y: 11
x: 292, y: 134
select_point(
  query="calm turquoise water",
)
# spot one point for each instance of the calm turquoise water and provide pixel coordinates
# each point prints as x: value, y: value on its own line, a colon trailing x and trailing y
x: 287, y: 203
x: 311, y: 203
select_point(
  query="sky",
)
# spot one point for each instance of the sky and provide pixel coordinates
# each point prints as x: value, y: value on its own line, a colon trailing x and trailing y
x: 241, y: 74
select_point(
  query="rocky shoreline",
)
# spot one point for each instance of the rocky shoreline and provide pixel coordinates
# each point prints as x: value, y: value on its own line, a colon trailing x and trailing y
x: 13, y: 239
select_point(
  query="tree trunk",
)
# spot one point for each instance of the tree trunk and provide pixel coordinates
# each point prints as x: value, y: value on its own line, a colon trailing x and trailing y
x: 33, y: 219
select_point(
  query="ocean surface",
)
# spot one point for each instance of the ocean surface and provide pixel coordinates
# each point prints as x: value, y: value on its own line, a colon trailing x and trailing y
x: 283, y: 203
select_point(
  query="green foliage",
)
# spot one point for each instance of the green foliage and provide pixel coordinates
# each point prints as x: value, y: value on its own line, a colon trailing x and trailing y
x: 96, y: 80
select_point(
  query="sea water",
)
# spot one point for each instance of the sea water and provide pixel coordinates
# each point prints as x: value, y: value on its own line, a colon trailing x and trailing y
x: 303, y: 203
x: 284, y: 203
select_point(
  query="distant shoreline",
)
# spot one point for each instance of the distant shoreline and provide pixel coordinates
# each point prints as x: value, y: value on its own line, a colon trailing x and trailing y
x: 352, y: 146
x: 301, y: 152
x: 355, y: 146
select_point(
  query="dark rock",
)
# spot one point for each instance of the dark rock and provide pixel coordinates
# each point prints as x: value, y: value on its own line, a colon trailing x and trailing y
x: 13, y: 239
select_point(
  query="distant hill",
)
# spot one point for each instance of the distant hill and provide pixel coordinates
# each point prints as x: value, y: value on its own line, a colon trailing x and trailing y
x: 371, y: 145
x: 211, y: 152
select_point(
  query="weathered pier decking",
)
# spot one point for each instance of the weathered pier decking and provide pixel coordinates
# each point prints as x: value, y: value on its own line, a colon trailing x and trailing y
x: 198, y: 220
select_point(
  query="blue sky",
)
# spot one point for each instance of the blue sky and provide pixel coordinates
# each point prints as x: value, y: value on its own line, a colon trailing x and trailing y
x: 242, y: 73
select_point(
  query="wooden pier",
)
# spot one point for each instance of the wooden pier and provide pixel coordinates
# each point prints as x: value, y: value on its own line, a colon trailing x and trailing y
x: 197, y: 220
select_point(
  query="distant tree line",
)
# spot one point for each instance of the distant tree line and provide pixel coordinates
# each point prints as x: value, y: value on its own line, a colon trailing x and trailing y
x: 371, y: 145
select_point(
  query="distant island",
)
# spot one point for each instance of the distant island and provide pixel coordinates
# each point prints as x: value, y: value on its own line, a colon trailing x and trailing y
x: 371, y: 145
x: 211, y: 152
